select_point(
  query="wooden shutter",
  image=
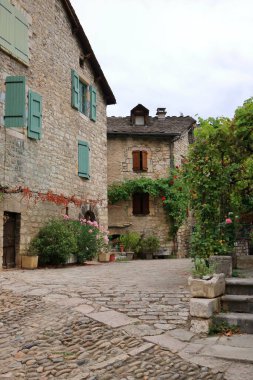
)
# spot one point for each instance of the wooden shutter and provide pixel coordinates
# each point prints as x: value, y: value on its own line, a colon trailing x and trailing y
x: 13, y: 31
x: 145, y: 203
x: 20, y: 35
x: 136, y: 160
x: 74, y: 90
x: 137, y: 203
x: 144, y: 156
x: 15, y: 102
x: 34, y: 115
x: 83, y: 159
x: 6, y: 25
x: 93, y: 104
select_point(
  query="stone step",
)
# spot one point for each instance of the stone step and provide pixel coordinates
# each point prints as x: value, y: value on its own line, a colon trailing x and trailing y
x: 237, y: 303
x: 239, y: 286
x: 243, y: 320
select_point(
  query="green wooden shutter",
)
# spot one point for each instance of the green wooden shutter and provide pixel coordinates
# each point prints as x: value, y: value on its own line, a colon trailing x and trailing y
x: 93, y: 104
x: 74, y: 89
x: 15, y: 102
x: 20, y: 35
x: 83, y: 159
x: 34, y: 116
x: 13, y: 31
x: 6, y: 25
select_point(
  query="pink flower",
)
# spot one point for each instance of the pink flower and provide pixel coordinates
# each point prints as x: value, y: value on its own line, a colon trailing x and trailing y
x: 228, y: 221
x: 106, y: 240
x: 90, y: 231
x: 66, y: 217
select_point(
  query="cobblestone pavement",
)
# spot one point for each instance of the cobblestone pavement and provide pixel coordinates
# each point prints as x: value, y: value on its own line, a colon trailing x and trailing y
x: 93, y: 322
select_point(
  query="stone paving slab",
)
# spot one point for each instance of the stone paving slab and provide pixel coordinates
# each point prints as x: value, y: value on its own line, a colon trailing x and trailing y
x: 229, y: 352
x: 84, y: 309
x: 112, y: 318
x: 167, y: 341
x: 141, y: 330
x: 244, y: 340
x: 182, y: 334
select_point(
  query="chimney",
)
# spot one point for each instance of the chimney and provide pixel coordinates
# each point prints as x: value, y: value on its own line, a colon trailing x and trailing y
x: 161, y: 113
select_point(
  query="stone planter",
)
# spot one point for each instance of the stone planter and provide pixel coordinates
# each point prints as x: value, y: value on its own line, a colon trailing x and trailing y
x: 129, y: 255
x: 29, y: 262
x: 104, y: 257
x: 207, y: 288
x: 221, y: 264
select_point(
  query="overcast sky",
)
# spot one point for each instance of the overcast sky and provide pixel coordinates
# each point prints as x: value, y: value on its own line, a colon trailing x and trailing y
x: 190, y: 56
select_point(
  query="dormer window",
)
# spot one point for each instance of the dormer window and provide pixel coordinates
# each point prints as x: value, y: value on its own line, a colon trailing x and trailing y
x: 139, y: 115
x: 139, y: 120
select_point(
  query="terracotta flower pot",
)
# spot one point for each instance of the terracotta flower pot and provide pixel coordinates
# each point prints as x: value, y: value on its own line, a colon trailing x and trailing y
x: 29, y: 262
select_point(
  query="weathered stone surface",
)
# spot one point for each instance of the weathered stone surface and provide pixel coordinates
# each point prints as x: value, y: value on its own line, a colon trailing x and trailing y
x: 207, y: 288
x: 204, y: 307
x: 84, y: 309
x: 142, y: 330
x: 199, y: 326
x: 222, y: 264
x: 112, y: 318
x: 182, y: 334
x: 167, y: 341
x: 229, y: 352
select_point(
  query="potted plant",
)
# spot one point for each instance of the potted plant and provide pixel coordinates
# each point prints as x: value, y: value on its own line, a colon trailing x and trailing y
x: 131, y: 243
x: 29, y: 261
x: 204, y: 282
x: 149, y: 246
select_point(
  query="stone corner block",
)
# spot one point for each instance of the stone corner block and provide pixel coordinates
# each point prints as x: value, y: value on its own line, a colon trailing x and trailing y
x: 204, y: 307
x: 199, y: 326
x: 207, y: 288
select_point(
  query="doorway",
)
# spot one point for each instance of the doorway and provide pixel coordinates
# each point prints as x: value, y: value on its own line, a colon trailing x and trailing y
x: 11, y: 238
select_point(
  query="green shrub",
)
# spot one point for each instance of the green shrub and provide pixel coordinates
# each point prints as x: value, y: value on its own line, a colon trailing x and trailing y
x: 150, y: 244
x: 54, y: 243
x: 130, y: 241
x: 201, y: 268
x: 90, y: 242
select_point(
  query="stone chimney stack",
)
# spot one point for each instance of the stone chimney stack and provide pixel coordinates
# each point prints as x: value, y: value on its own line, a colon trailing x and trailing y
x: 161, y: 113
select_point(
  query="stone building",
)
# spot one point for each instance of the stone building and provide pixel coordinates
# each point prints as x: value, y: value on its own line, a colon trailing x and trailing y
x: 142, y: 145
x: 53, y: 98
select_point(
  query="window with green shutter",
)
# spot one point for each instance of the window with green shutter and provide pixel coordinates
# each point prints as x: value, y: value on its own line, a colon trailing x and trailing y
x: 79, y: 97
x: 34, y: 115
x: 93, y: 103
x: 15, y: 102
x: 83, y: 159
x: 13, y: 31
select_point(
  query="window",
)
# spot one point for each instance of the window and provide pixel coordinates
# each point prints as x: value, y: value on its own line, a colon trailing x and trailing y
x: 83, y: 159
x: 140, y: 160
x: 140, y: 203
x: 13, y: 31
x: 81, y: 99
x: 139, y: 120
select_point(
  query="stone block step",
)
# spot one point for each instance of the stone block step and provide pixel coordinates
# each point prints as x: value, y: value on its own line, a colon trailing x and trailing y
x: 243, y: 320
x: 239, y: 286
x: 237, y: 303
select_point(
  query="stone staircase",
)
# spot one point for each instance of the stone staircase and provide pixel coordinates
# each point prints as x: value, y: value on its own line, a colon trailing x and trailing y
x: 237, y: 304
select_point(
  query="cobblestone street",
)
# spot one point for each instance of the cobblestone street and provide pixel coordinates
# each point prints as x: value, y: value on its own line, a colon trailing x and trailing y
x: 94, y: 322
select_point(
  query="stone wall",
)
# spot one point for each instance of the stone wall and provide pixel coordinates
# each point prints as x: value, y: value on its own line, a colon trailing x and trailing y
x: 52, y: 162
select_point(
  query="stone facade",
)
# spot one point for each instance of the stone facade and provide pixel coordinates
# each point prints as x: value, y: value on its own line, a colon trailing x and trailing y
x: 51, y: 163
x: 166, y: 142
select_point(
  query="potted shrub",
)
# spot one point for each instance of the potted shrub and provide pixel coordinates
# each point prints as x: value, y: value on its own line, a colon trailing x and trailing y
x: 204, y: 282
x: 149, y: 246
x: 29, y: 261
x: 131, y: 243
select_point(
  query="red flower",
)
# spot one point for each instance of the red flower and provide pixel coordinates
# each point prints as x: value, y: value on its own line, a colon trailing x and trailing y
x: 163, y: 199
x: 171, y: 182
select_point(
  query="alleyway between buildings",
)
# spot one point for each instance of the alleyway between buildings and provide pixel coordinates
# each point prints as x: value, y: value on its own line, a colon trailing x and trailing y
x: 125, y: 320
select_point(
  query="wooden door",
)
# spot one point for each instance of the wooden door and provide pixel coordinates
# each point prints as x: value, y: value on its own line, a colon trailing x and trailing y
x: 10, y: 233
